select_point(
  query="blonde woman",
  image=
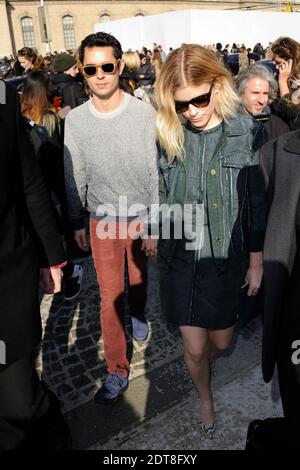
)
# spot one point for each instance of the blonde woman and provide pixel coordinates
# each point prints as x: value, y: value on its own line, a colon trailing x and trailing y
x: 156, y: 61
x: 129, y: 78
x: 208, y: 166
x: 132, y: 63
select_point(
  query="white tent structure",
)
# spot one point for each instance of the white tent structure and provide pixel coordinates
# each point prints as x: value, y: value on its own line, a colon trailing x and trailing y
x: 203, y: 27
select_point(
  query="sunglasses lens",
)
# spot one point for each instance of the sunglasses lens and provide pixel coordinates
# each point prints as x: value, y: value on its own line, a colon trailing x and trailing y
x: 90, y: 70
x: 181, y: 106
x: 201, y: 101
x: 108, y: 68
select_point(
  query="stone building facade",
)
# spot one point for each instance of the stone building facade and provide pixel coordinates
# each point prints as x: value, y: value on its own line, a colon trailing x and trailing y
x: 71, y: 20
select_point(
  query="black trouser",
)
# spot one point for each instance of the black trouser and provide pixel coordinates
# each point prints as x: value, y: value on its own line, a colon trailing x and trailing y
x: 28, y: 411
x: 283, y: 433
x: 289, y: 370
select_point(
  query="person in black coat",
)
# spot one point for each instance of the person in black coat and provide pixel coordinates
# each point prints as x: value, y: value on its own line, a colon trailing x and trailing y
x: 64, y: 83
x: 280, y: 162
x: 30, y: 415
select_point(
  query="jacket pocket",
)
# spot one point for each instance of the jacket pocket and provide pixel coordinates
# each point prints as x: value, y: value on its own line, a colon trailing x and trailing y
x: 235, y: 159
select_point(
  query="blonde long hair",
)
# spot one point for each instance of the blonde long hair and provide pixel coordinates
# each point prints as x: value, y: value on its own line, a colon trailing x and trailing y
x: 189, y: 65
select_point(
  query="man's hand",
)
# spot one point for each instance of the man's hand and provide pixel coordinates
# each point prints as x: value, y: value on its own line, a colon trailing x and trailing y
x: 80, y: 238
x: 149, y: 245
x: 51, y: 280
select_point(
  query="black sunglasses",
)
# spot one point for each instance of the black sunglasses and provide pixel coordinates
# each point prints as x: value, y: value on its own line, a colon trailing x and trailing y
x: 200, y: 101
x: 284, y: 44
x: 26, y: 51
x: 90, y: 70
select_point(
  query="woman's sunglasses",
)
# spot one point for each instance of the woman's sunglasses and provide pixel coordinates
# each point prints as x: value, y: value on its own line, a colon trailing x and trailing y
x: 26, y: 51
x: 200, y: 101
x: 284, y: 44
x: 90, y: 70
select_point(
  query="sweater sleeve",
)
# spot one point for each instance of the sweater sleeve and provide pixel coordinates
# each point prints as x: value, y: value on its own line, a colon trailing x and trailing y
x: 75, y: 178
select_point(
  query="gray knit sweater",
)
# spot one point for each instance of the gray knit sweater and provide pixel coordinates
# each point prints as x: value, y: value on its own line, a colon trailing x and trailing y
x: 110, y: 155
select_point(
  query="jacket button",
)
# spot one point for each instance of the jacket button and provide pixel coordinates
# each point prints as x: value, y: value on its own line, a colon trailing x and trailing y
x: 215, y: 206
x: 213, y: 172
x: 218, y: 238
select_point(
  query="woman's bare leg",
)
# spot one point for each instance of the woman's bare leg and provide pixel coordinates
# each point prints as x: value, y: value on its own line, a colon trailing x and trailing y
x: 220, y: 340
x: 196, y: 355
x: 201, y: 348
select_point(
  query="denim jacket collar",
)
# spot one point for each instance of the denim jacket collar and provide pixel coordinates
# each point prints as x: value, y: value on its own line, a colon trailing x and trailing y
x: 231, y: 127
x: 234, y: 127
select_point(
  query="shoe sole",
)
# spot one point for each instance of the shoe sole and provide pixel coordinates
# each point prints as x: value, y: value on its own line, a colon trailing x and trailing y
x: 105, y: 401
x: 141, y: 339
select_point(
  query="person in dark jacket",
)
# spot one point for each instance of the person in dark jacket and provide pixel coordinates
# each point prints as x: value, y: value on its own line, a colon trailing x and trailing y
x: 30, y: 415
x: 280, y: 162
x: 211, y: 184
x: 45, y: 130
x: 146, y: 73
x: 65, y: 86
x: 286, y: 55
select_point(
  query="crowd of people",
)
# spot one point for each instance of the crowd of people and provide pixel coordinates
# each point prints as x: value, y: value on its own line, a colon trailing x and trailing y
x: 176, y: 157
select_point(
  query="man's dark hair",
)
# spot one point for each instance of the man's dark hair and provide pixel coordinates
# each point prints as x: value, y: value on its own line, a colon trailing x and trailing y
x: 100, y: 40
x: 219, y: 46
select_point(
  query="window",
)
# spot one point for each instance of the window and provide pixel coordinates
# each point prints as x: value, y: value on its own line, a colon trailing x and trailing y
x: 28, y: 32
x: 105, y: 18
x: 69, y: 32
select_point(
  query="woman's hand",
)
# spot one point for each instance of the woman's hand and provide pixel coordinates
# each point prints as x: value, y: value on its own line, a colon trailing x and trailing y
x: 149, y: 245
x: 285, y: 71
x: 255, y: 273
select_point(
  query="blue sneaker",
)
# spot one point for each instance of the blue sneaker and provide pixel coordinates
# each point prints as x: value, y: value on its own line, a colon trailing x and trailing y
x: 140, y: 328
x: 112, y: 389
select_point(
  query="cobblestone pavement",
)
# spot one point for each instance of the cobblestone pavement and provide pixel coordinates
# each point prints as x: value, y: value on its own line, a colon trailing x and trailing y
x: 158, y: 411
x: 71, y: 357
x: 237, y: 403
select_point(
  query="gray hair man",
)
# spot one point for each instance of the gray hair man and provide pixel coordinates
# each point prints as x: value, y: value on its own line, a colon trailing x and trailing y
x: 257, y: 88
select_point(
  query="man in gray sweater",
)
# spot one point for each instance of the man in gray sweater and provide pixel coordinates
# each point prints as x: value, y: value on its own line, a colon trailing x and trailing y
x: 111, y: 167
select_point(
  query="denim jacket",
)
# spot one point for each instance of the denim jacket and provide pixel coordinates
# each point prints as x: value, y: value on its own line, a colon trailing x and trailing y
x: 234, y: 190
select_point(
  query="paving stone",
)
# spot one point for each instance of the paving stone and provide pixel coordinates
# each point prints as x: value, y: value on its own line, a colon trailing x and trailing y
x: 71, y: 359
x: 81, y: 381
x: 63, y: 389
x: 84, y: 343
x: 76, y: 370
